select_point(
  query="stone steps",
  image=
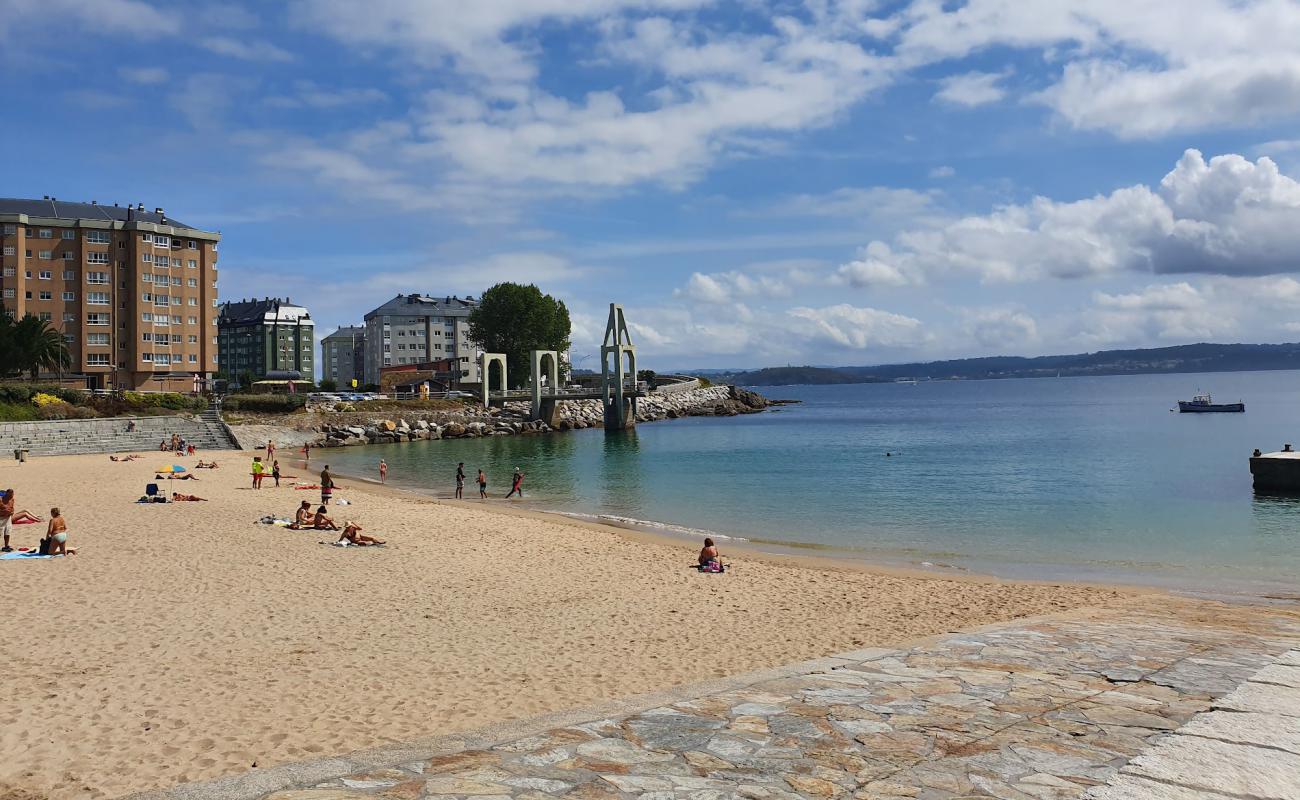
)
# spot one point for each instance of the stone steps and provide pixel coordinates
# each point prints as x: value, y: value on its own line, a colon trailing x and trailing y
x: 71, y: 437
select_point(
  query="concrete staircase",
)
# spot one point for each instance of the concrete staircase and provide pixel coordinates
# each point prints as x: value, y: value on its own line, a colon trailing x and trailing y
x: 72, y: 436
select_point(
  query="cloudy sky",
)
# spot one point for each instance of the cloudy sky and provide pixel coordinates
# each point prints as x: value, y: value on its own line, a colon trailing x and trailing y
x: 805, y: 181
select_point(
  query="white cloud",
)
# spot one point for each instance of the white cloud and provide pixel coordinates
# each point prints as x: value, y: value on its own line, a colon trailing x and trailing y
x: 144, y: 75
x: 1133, y: 68
x: 1000, y: 330
x: 245, y: 49
x: 872, y: 269
x: 1164, y: 297
x: 309, y: 95
x: 854, y: 202
x: 129, y: 17
x: 1229, y: 216
x: 971, y: 89
x: 942, y: 172
x: 728, y: 287
x: 856, y: 328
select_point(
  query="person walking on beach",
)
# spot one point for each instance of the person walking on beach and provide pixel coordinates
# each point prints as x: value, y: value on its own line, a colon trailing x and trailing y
x: 7, y: 518
x: 326, y: 485
x: 275, y: 473
x: 383, y: 471
x: 460, y: 481
x: 516, y: 484
x: 482, y: 485
x: 270, y: 450
x: 258, y: 469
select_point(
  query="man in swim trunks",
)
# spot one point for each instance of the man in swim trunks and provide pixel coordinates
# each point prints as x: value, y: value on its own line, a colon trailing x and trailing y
x: 6, y: 518
x: 482, y: 485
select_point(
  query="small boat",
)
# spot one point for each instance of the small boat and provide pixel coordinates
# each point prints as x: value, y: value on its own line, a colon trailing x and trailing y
x: 1202, y: 404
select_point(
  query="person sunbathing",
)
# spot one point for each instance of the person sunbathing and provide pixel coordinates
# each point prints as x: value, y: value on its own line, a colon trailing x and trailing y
x: 174, y: 477
x: 188, y: 498
x: 302, y: 518
x: 322, y: 522
x: 206, y: 465
x: 24, y: 518
x: 352, y: 533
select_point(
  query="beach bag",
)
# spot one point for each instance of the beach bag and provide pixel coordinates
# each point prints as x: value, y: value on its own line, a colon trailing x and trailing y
x: 44, y: 547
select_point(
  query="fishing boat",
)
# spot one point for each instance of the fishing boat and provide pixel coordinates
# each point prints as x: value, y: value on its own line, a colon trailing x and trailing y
x: 1202, y: 404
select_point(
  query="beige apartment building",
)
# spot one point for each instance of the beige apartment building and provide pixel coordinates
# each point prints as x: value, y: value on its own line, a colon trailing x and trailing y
x: 134, y: 292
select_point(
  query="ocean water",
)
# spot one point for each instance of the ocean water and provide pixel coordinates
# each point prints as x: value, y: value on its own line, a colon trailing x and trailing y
x: 1078, y: 478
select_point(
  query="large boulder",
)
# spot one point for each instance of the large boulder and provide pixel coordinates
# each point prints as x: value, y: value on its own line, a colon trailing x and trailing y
x: 388, y: 425
x: 454, y: 430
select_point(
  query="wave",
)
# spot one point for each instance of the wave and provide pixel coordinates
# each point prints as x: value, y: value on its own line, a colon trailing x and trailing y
x: 650, y: 525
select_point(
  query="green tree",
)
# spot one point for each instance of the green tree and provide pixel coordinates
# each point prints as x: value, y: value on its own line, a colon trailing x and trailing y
x: 30, y: 345
x: 328, y: 385
x: 515, y: 319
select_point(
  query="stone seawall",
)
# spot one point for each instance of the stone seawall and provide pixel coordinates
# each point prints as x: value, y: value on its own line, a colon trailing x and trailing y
x: 513, y: 418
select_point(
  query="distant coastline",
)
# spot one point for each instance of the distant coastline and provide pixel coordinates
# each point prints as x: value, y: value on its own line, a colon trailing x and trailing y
x: 1191, y: 358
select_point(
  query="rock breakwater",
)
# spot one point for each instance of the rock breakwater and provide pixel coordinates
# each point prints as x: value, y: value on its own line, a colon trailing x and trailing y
x: 513, y: 419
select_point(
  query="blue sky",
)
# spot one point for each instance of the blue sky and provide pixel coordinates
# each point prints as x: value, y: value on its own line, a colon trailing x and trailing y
x: 806, y: 181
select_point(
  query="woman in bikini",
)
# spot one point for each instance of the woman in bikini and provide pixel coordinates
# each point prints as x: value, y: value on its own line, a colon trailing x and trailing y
x: 322, y: 522
x: 58, y: 535
x: 352, y: 533
x: 709, y: 554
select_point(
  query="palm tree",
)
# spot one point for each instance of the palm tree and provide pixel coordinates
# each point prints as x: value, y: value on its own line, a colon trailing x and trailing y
x: 33, y: 344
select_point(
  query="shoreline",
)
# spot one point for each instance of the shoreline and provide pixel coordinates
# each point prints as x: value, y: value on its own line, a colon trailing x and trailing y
x: 830, y: 558
x: 833, y: 557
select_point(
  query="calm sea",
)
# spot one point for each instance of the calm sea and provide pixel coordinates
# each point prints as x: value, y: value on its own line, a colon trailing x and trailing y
x: 1085, y: 478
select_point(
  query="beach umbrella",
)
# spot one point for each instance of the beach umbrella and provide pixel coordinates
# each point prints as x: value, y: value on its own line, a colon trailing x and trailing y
x: 172, y: 468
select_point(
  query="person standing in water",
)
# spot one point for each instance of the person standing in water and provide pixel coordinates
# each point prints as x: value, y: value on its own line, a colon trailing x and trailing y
x: 482, y: 485
x: 460, y: 481
x: 516, y: 484
x: 383, y: 471
x: 306, y: 452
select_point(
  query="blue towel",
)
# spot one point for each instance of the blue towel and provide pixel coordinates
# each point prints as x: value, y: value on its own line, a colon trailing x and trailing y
x: 7, y: 556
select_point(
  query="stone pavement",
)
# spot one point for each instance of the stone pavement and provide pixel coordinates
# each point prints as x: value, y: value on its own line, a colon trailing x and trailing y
x: 1112, y: 706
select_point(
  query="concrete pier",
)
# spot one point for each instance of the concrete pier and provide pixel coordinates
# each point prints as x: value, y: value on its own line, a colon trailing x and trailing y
x: 1276, y: 472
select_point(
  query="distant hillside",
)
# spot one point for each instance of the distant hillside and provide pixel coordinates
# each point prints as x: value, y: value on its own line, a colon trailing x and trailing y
x: 1182, y: 358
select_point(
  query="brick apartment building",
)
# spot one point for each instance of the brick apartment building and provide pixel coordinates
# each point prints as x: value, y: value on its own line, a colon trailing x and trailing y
x: 134, y: 292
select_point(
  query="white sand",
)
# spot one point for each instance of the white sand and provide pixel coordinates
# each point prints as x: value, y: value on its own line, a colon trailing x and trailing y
x: 186, y: 642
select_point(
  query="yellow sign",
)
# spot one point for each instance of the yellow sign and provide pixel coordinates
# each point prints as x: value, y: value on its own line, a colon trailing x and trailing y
x: 354, y: 383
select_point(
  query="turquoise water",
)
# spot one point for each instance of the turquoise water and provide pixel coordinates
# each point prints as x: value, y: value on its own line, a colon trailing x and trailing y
x: 1086, y: 478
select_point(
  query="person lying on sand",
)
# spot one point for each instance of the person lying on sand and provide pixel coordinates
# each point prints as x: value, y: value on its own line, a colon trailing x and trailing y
x: 175, y: 477
x: 25, y: 518
x: 352, y: 533
x: 124, y: 458
x: 302, y: 518
x: 188, y: 498
x: 322, y: 522
x: 206, y: 465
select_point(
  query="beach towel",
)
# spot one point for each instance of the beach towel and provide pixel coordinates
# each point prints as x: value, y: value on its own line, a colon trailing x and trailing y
x: 308, y: 486
x: 17, y: 555
x: 28, y: 522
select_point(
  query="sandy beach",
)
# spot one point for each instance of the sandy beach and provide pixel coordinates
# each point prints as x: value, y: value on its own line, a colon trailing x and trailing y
x: 186, y: 641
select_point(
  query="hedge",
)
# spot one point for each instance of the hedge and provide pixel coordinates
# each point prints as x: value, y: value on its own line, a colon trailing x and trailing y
x: 271, y: 403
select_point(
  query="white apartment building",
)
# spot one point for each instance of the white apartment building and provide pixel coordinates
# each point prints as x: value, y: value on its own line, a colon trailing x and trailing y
x: 418, y: 329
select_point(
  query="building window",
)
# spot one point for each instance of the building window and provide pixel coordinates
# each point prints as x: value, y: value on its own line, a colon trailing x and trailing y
x: 146, y: 357
x: 10, y: 272
x: 45, y: 316
x: 46, y: 275
x: 69, y: 275
x: 68, y: 234
x: 176, y: 281
x: 47, y: 295
x: 193, y: 283
x: 162, y: 241
x: 96, y: 258
x: 97, y: 339
x: 27, y: 254
x: 97, y: 319
x: 68, y: 297
x: 147, y: 258
x: 146, y: 337
x: 177, y: 320
x: 9, y: 293
x: 68, y: 255
x: 68, y: 316
x: 9, y: 229
x: 97, y: 359
x: 193, y: 321
x: 162, y: 359
x: 9, y: 250
x: 194, y: 301
x: 194, y: 339
x: 146, y: 237
x: 96, y: 298
x: 146, y: 317
x: 193, y: 358
x: 193, y: 245
x: 97, y: 277
x: 45, y: 233
x: 97, y: 237
x: 192, y: 264
x: 45, y: 255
